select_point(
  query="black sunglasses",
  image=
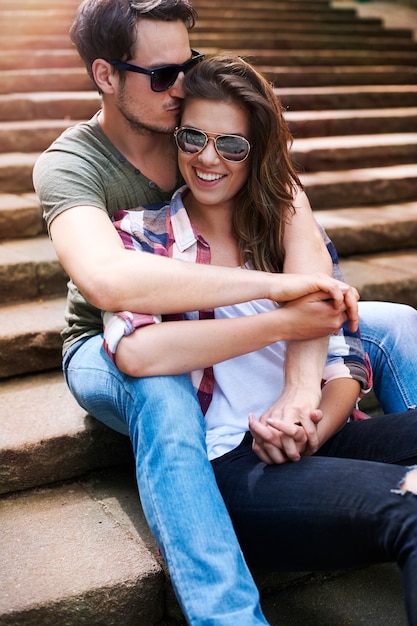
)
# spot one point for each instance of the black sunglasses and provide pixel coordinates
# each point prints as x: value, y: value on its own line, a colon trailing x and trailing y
x: 233, y: 148
x: 163, y: 77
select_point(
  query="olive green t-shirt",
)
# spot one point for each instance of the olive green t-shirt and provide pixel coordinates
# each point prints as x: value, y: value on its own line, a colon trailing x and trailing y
x: 83, y: 168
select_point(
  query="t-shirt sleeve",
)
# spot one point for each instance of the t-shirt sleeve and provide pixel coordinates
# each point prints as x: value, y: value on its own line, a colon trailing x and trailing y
x: 63, y: 180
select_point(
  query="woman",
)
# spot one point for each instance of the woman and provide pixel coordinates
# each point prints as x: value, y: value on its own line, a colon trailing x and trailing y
x: 339, y: 505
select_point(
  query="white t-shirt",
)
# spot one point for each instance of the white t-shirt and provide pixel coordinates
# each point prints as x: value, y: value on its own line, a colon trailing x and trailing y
x: 250, y: 383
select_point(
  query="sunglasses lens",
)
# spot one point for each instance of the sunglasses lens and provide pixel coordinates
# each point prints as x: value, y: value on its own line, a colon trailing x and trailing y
x: 190, y: 141
x: 232, y: 148
x: 164, y: 78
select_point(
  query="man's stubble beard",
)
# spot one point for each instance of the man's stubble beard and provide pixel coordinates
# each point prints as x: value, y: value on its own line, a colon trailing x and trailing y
x: 135, y: 124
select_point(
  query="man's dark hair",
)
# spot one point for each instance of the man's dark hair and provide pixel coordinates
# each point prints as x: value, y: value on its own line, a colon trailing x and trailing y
x: 106, y: 29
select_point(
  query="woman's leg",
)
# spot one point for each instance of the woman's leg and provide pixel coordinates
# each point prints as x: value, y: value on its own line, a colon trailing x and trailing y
x: 177, y: 487
x: 321, y: 513
x: 389, y: 335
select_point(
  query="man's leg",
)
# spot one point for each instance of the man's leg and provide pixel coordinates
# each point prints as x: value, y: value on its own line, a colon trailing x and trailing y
x: 177, y: 487
x: 389, y: 335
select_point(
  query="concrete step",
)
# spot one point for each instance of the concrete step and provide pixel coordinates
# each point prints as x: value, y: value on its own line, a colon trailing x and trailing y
x: 307, y: 58
x: 351, y: 122
x: 279, y: 24
x: 59, y: 441
x: 30, y: 336
x: 348, y: 97
x: 75, y: 105
x: 28, y: 22
x: 336, y: 75
x: 50, y: 23
x: 386, y: 276
x: 31, y: 135
x: 262, y: 5
x: 289, y: 10
x: 40, y: 5
x: 29, y: 269
x: 55, y: 79
x: 315, y: 154
x: 15, y: 60
x: 34, y: 42
x: 16, y: 172
x: 20, y: 216
x: 374, y: 185
x: 372, y: 228
x: 293, y: 41
x: 78, y: 554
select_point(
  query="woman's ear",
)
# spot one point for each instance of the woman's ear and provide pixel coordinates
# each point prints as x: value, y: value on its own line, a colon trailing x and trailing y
x: 104, y: 77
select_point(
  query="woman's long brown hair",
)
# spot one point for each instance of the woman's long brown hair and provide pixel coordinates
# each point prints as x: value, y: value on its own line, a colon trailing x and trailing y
x: 265, y: 204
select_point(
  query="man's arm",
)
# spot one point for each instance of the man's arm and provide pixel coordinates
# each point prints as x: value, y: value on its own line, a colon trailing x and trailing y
x: 113, y: 278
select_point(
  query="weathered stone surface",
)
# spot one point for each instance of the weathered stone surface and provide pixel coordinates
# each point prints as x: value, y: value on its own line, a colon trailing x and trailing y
x: 30, y: 336
x: 68, y: 79
x: 348, y: 122
x: 66, y: 560
x: 39, y: 58
x: 347, y: 97
x: 391, y: 277
x: 373, y: 229
x: 31, y: 135
x: 316, y: 154
x: 46, y: 437
x: 16, y: 172
x: 30, y: 267
x: 20, y: 216
x: 328, y: 189
x: 65, y: 105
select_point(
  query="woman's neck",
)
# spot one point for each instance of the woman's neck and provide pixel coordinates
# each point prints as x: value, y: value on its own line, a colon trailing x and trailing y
x: 214, y: 224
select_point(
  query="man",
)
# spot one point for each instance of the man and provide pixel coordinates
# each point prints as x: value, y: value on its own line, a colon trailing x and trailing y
x: 137, y: 53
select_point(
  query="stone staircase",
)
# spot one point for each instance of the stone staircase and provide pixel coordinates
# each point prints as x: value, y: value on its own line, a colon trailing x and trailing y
x: 75, y: 549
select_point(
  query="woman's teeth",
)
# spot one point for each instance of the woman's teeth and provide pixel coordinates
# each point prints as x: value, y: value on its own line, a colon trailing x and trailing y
x: 208, y: 176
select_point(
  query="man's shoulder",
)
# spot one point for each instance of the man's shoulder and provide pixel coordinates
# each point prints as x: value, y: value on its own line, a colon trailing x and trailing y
x: 82, y: 136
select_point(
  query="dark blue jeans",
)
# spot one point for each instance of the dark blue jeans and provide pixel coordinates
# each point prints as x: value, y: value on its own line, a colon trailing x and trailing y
x: 340, y: 508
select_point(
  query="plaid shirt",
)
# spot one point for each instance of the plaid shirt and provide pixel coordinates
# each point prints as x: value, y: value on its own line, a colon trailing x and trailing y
x: 166, y: 230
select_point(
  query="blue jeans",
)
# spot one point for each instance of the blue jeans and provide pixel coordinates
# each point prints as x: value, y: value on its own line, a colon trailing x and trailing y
x: 178, y: 491
x: 332, y: 510
x: 389, y: 335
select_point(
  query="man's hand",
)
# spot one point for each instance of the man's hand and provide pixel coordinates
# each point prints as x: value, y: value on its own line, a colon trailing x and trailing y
x: 343, y: 297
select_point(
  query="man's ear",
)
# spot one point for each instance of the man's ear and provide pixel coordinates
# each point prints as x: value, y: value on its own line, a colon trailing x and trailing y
x: 104, y: 77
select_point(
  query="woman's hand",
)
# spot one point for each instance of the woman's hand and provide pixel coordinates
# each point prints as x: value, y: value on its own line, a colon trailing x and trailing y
x: 283, y: 440
x: 290, y: 287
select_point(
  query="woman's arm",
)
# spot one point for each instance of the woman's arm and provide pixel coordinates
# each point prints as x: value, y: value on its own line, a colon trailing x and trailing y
x: 177, y: 347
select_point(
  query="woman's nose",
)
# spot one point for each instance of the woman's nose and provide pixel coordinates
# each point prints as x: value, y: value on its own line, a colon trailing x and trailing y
x: 209, y: 152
